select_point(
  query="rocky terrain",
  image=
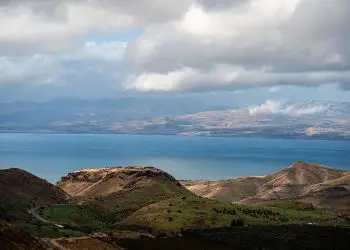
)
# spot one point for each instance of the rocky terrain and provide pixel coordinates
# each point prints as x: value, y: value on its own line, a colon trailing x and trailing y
x: 313, y: 183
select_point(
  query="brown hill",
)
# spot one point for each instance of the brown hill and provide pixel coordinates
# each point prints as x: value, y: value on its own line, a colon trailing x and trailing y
x: 100, y: 182
x: 20, y: 190
x: 119, y: 191
x: 15, y: 239
x: 321, y: 185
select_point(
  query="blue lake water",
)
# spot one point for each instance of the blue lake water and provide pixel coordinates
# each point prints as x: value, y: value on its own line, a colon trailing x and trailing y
x: 51, y: 156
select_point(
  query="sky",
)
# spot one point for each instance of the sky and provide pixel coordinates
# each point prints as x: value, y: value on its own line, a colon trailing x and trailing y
x: 231, y: 52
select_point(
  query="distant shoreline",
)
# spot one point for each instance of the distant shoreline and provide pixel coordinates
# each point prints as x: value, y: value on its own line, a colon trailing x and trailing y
x: 306, y: 138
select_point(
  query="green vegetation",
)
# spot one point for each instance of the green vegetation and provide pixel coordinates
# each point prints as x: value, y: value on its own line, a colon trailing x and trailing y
x: 47, y: 230
x: 73, y: 215
x: 13, y: 208
x: 299, y: 212
x: 291, y: 204
x: 176, y: 214
x: 116, y: 207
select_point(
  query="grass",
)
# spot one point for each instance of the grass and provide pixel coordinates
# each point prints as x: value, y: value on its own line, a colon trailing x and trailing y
x: 73, y: 215
x: 299, y: 212
x: 46, y: 230
x: 293, y: 205
x: 117, y: 207
x: 176, y: 214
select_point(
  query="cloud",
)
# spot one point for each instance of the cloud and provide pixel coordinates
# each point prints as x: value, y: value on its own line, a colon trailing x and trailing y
x: 91, y: 58
x: 227, y: 77
x: 264, y: 42
x: 185, y: 45
x: 292, y: 109
x: 274, y: 89
x: 55, y: 24
x: 38, y: 69
x: 108, y: 51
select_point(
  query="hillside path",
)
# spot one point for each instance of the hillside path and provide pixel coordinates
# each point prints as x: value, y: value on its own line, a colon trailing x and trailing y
x: 54, y: 245
x: 88, y: 188
x: 33, y: 212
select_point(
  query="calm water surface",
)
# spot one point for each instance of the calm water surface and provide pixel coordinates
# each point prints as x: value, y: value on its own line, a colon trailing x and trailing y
x: 52, y: 156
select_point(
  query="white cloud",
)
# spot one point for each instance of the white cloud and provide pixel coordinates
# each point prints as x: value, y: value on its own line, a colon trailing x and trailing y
x: 275, y: 89
x: 223, y: 77
x: 187, y: 45
x: 109, y: 51
x: 38, y: 69
x: 292, y: 109
x: 98, y: 58
x: 264, y: 42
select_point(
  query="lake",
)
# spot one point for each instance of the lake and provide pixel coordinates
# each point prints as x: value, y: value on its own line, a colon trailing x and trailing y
x: 51, y: 156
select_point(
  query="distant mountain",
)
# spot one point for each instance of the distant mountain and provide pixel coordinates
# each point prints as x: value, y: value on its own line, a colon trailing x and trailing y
x: 179, y: 116
x: 77, y: 115
x: 313, y: 183
x: 273, y: 119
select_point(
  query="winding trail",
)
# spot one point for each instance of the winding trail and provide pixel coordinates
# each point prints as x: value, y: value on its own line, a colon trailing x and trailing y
x: 33, y: 212
x: 54, y: 245
x: 88, y: 188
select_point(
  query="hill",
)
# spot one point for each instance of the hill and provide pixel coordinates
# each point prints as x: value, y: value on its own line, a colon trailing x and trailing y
x: 20, y: 191
x: 109, y: 201
x: 314, y: 183
x: 119, y: 191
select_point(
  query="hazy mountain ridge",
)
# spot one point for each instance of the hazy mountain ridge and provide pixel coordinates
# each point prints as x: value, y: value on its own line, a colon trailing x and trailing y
x: 327, y: 120
x: 272, y: 119
x: 79, y: 115
x: 303, y: 181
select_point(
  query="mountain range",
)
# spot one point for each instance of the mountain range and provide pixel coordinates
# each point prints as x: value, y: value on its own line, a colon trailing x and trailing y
x: 139, y: 207
x: 272, y: 119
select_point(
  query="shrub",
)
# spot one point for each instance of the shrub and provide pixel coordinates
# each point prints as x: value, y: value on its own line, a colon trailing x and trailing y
x: 237, y: 222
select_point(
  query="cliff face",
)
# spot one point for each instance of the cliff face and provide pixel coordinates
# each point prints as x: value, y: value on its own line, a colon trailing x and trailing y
x: 304, y: 181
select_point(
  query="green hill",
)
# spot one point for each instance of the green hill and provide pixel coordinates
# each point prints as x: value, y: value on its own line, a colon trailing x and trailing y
x: 20, y: 191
